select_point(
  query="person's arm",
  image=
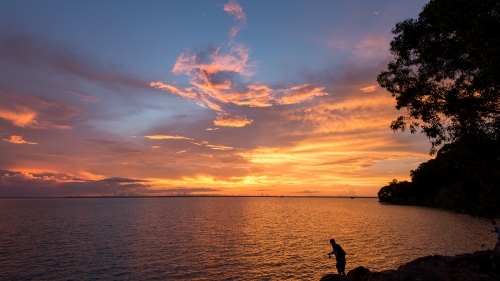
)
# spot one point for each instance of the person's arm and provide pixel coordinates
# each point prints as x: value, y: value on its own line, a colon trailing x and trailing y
x: 332, y: 253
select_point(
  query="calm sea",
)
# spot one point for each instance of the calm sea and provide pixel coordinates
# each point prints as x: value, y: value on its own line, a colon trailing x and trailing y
x: 219, y: 238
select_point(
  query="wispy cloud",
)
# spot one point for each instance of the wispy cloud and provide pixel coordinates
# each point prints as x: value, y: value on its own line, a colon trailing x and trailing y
x: 175, y: 137
x: 368, y: 89
x: 18, y: 140
x: 219, y: 78
x: 34, y: 52
x: 235, y: 9
x: 36, y: 113
x: 219, y: 147
x: 167, y: 137
x: 230, y: 120
x: 85, y: 98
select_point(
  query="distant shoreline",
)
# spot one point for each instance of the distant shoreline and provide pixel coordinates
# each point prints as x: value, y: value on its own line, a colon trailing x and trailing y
x: 184, y: 196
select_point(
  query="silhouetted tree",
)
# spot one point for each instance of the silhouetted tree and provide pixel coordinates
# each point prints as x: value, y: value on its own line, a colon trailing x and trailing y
x: 397, y: 192
x: 446, y: 70
x: 463, y: 177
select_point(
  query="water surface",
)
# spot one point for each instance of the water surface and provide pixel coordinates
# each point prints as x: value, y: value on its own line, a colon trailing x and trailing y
x: 220, y: 238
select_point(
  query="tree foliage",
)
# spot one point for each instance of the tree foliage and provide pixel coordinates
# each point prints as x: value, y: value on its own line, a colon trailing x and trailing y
x: 463, y: 177
x: 446, y: 70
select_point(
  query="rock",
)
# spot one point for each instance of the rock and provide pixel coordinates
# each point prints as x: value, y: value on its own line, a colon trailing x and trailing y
x: 357, y: 274
x: 478, y: 266
x: 386, y: 275
x: 413, y: 273
x: 496, y: 261
x: 463, y: 274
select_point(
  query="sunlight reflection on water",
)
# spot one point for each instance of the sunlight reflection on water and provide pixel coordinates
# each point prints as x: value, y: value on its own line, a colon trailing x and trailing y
x: 219, y: 238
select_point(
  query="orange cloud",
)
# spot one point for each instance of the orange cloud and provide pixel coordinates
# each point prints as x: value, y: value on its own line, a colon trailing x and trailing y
x: 167, y: 137
x: 18, y: 140
x: 230, y: 120
x: 200, y: 143
x: 21, y: 111
x: 299, y: 94
x: 22, y: 117
x: 368, y: 89
x: 173, y: 89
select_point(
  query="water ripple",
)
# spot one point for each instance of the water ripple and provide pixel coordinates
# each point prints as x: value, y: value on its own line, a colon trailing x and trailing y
x: 219, y: 238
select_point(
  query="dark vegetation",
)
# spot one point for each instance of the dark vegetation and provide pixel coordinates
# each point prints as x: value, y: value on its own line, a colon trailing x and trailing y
x: 464, y: 177
x: 446, y: 74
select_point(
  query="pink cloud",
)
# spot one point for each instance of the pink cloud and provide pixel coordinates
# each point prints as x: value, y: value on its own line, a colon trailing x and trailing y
x: 371, y: 46
x: 218, y: 78
x: 233, y: 8
x: 85, y: 98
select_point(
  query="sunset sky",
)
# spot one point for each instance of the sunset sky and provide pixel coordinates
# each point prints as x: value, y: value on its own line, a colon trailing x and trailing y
x: 201, y: 97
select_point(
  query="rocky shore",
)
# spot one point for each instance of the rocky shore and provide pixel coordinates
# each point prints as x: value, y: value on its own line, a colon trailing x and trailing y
x: 477, y: 266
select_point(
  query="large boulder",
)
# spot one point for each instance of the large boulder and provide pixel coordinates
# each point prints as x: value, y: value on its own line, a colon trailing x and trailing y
x: 386, y: 275
x: 478, y: 266
x: 357, y: 274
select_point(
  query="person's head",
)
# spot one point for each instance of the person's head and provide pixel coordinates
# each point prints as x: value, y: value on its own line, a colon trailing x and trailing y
x: 332, y: 241
x: 494, y: 222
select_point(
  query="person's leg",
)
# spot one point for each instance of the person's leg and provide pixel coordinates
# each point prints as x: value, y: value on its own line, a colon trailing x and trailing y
x: 342, y: 267
x: 339, y: 269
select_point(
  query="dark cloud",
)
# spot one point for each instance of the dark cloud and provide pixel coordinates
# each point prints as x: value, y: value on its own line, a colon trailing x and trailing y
x: 187, y: 190
x: 21, y: 184
x: 122, y: 180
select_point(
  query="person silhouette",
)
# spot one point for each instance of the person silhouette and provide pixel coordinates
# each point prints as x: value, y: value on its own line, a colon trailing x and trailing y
x: 339, y: 256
